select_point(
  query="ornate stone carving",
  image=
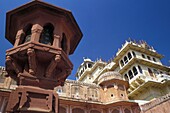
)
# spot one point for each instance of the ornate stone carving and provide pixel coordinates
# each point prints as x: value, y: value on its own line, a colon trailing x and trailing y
x: 52, y: 65
x: 31, y: 61
x: 36, y: 32
x: 11, y: 65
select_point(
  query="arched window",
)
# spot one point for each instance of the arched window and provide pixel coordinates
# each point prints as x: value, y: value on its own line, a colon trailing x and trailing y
x: 125, y: 59
x: 133, y: 53
x: 64, y: 43
x: 154, y: 59
x: 129, y: 55
x: 47, y: 35
x: 140, y: 69
x: 127, y: 111
x: 155, y: 71
x: 130, y: 74
x: 150, y: 72
x: 135, y: 71
x: 149, y: 58
x: 27, y: 31
x: 122, y: 63
x: 143, y: 56
x: 77, y: 110
x: 126, y: 77
x: 115, y: 111
x: 89, y: 65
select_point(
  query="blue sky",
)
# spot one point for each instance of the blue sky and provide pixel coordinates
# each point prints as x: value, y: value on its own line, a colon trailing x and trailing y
x: 106, y: 24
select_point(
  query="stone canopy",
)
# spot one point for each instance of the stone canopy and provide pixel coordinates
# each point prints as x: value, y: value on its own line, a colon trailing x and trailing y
x: 35, y: 8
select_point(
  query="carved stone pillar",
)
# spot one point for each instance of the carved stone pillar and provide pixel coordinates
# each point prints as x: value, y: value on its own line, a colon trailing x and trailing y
x: 19, y: 36
x: 56, y: 41
x: 36, y: 32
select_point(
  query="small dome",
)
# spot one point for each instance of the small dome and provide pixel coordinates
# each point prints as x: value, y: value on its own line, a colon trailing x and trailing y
x: 113, y: 76
x: 110, y: 75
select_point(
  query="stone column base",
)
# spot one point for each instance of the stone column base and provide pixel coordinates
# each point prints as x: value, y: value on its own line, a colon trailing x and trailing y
x: 28, y: 99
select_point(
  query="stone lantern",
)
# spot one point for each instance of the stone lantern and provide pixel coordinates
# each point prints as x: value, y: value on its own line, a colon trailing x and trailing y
x: 43, y: 36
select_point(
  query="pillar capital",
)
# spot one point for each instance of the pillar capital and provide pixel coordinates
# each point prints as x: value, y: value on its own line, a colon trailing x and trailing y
x: 36, y: 32
x: 36, y: 28
x: 56, y: 41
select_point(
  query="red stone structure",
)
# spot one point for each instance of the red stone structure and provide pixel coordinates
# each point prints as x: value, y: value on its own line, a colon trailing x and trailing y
x: 43, y: 36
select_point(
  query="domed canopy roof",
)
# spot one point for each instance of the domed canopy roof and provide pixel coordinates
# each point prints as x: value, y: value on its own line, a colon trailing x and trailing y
x: 111, y: 75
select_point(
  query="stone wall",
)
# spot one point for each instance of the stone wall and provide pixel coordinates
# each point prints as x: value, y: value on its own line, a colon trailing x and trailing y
x: 160, y: 105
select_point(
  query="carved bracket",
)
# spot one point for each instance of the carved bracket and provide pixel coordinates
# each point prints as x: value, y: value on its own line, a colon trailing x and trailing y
x: 12, y: 65
x: 52, y: 65
x: 32, y: 61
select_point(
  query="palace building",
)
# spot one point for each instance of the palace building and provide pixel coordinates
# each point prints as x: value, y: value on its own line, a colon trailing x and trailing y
x: 134, y: 81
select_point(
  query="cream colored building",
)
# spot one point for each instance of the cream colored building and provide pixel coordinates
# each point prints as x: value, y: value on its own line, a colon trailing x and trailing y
x: 139, y: 64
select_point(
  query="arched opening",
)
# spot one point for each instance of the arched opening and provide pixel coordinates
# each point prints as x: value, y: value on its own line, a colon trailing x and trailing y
x: 64, y: 43
x: 122, y: 63
x: 62, y: 110
x: 143, y: 56
x: 125, y: 59
x: 89, y: 65
x: 27, y: 36
x: 156, y: 72
x: 127, y: 111
x: 94, y: 111
x: 129, y: 55
x: 154, y: 59
x: 140, y: 69
x: 149, y: 58
x: 77, y: 110
x: 126, y: 77
x: 130, y: 74
x: 133, y: 53
x: 150, y: 72
x: 115, y: 111
x: 47, y: 34
x: 135, y: 71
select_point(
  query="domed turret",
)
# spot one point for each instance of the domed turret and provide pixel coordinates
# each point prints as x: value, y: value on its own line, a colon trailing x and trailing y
x: 112, y: 76
x: 114, y: 86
